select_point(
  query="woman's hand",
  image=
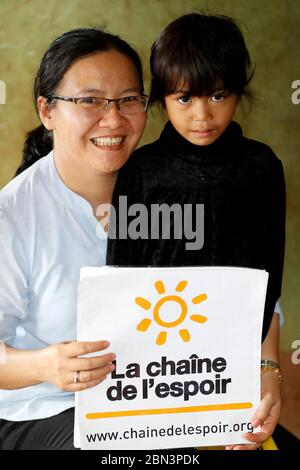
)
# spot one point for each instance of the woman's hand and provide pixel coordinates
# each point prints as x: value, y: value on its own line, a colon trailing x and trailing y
x: 62, y: 365
x: 267, y: 414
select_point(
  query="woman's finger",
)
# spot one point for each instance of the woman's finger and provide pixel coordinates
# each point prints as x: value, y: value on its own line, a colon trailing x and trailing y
x: 78, y: 387
x: 77, y: 382
x: 90, y: 363
x: 79, y: 348
x: 95, y: 374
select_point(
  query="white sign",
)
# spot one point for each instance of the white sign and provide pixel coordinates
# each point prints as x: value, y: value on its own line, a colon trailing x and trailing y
x: 187, y: 342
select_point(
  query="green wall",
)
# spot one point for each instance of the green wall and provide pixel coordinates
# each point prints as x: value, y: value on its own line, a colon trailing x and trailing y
x: 272, y: 31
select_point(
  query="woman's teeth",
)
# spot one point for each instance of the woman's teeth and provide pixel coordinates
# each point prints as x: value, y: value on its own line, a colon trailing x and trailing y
x: 107, y: 141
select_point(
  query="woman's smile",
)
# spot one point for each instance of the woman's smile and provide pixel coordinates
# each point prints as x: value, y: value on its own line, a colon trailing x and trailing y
x: 111, y: 143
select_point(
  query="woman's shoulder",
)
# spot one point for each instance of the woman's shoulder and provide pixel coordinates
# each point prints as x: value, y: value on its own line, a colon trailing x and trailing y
x: 14, y: 197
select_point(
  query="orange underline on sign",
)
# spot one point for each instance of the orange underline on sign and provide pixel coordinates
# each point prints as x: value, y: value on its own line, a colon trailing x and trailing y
x: 166, y: 411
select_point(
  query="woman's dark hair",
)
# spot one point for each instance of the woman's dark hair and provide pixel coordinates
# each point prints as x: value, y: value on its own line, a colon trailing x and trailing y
x: 61, y: 54
x: 38, y: 143
x: 200, y: 52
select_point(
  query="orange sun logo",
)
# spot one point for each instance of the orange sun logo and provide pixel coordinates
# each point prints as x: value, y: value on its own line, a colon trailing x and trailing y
x: 158, y: 314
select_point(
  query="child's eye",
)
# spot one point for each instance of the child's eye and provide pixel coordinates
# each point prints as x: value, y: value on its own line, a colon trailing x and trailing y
x: 218, y: 97
x: 184, y: 99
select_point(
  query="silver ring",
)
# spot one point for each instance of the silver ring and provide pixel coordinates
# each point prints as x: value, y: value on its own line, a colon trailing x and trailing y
x: 76, y: 377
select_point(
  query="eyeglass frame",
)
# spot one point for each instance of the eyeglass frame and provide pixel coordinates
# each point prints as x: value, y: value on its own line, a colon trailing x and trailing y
x: 72, y: 99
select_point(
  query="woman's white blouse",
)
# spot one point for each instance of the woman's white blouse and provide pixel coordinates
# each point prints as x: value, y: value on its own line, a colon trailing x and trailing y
x: 47, y: 233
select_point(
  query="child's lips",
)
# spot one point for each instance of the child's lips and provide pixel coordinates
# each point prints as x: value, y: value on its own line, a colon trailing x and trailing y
x: 203, y: 132
x: 208, y: 129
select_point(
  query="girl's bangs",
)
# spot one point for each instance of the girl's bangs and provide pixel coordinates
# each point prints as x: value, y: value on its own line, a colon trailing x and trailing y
x: 196, y: 79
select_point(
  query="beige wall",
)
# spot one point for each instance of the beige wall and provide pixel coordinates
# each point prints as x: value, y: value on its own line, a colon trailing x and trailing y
x: 272, y: 30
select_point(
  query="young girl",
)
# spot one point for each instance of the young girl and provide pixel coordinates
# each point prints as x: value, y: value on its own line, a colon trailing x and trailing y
x: 200, y: 72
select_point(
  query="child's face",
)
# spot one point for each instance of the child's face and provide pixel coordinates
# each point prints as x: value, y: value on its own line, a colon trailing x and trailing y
x: 201, y: 119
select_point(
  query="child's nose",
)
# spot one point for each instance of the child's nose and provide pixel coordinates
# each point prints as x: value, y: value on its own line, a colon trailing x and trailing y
x: 202, y: 110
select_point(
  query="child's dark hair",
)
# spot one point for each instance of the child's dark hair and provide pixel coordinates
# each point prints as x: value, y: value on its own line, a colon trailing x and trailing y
x: 61, y: 54
x: 200, y: 52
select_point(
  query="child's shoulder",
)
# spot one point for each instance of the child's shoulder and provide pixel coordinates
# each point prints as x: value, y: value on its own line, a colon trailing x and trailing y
x: 259, y: 152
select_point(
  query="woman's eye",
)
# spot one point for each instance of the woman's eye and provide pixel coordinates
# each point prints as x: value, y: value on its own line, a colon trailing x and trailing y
x: 88, y: 100
x: 184, y: 99
x: 130, y: 99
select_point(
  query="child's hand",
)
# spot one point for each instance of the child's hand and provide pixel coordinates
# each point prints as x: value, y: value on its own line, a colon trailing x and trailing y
x: 267, y: 414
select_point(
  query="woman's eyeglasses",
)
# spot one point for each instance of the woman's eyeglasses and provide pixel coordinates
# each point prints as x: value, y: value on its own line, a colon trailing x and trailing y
x: 99, y: 106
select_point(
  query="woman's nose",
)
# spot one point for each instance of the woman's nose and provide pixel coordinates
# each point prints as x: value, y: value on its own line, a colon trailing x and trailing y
x: 112, y: 117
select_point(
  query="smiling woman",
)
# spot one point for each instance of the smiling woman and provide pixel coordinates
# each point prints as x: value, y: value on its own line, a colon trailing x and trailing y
x: 91, y: 143
x: 89, y: 96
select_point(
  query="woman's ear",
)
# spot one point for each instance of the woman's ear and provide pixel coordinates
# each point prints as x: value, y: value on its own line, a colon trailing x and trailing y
x: 45, y: 112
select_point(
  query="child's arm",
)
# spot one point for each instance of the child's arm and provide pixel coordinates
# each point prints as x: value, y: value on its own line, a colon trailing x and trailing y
x: 267, y: 414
